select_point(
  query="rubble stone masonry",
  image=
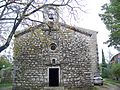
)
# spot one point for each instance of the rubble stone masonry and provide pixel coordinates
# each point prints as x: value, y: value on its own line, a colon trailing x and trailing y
x: 73, y: 53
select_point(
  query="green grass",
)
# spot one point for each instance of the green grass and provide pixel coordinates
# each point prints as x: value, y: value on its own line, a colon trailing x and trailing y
x: 110, y: 81
x: 94, y: 88
x: 6, y: 88
x: 5, y: 84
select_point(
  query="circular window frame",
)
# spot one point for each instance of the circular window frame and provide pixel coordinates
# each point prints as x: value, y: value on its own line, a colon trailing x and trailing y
x: 53, y: 46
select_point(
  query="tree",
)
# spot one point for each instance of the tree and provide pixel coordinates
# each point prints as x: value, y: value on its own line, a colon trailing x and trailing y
x: 115, y: 70
x: 5, y: 70
x: 4, y: 63
x: 111, y: 18
x: 104, y: 66
x: 15, y: 14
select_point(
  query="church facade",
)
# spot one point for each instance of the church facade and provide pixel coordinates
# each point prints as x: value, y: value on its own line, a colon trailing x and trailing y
x: 54, y: 55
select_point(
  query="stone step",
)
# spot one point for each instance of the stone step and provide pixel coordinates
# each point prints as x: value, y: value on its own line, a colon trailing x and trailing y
x: 53, y: 88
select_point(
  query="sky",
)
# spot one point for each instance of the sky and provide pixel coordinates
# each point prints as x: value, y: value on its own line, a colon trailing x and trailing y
x: 91, y: 20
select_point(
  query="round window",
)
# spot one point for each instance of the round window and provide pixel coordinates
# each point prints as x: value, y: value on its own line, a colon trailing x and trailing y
x: 53, y: 46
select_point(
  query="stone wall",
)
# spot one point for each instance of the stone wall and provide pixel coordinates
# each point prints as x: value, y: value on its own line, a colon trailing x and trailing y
x: 73, y: 56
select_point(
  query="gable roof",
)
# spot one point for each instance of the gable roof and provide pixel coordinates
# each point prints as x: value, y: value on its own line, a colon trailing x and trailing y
x: 87, y: 32
x: 84, y: 31
x: 114, y: 56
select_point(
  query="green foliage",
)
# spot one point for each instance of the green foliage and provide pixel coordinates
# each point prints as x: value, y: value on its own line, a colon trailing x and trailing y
x: 111, y: 81
x: 115, y: 70
x: 4, y: 63
x: 104, y: 67
x: 114, y: 39
x: 111, y: 18
x: 104, y: 64
x: 6, y: 75
x: 5, y: 85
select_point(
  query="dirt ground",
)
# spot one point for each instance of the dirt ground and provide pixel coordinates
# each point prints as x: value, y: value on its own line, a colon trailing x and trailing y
x: 104, y: 87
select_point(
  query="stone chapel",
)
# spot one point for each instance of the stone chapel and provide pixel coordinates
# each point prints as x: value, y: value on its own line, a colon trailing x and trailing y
x: 54, y: 55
